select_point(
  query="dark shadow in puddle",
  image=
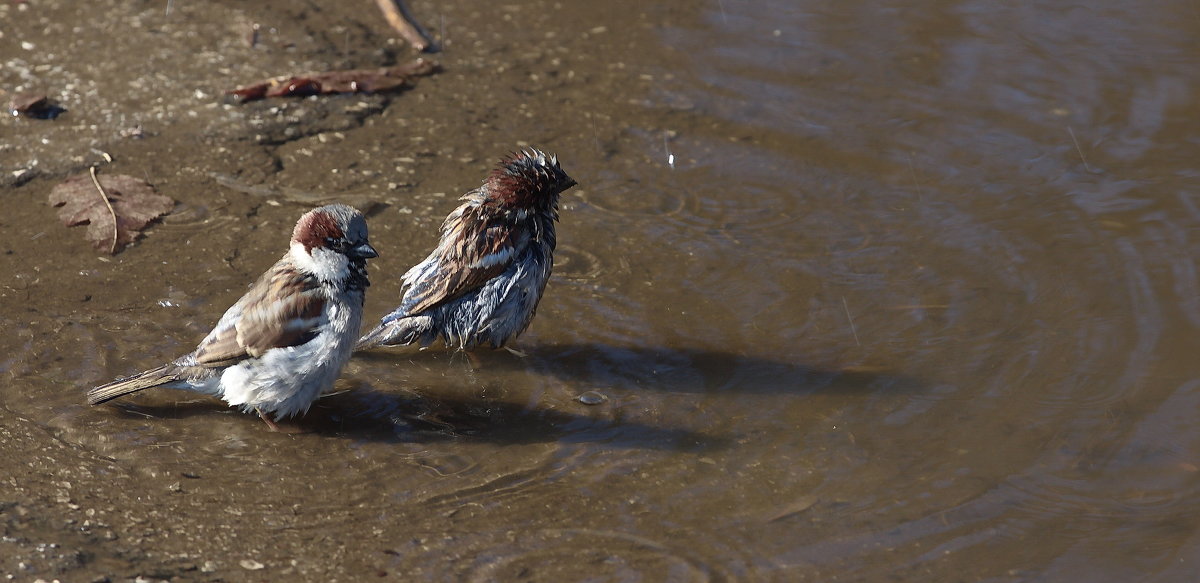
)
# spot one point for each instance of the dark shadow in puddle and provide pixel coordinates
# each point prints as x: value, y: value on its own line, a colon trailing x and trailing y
x: 405, y: 416
x: 365, y: 412
x: 681, y: 370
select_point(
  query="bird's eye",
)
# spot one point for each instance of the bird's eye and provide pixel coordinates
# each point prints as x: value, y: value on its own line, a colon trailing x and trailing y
x: 337, y: 244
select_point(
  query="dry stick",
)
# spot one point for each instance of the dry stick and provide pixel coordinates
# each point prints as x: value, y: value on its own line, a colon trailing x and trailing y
x: 1078, y: 149
x: 851, y: 319
x: 397, y: 16
x: 913, y: 170
x: 596, y: 134
x: 104, y: 197
x: 667, y: 151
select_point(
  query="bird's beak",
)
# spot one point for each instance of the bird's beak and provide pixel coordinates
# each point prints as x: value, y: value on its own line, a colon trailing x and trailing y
x: 364, y: 251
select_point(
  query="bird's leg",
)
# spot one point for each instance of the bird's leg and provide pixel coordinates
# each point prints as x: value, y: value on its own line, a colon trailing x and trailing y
x: 398, y: 17
x: 289, y: 428
x: 267, y: 420
x: 472, y: 358
x: 477, y: 363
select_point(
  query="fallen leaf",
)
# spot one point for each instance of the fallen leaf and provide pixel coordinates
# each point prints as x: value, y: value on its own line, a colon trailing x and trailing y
x: 795, y: 507
x: 346, y: 81
x: 35, y: 105
x: 115, y: 217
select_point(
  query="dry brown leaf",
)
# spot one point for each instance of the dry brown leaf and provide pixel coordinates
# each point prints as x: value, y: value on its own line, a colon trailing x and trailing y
x: 35, y: 105
x: 326, y: 82
x: 116, y: 216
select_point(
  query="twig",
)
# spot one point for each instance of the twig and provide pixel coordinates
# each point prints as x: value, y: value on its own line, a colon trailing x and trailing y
x: 398, y: 17
x: 848, y: 317
x: 129, y: 409
x: 596, y: 133
x: 913, y: 170
x: 667, y: 150
x: 104, y: 197
x: 1078, y: 149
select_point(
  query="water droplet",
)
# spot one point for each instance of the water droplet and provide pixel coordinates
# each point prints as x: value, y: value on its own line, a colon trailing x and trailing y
x: 592, y: 398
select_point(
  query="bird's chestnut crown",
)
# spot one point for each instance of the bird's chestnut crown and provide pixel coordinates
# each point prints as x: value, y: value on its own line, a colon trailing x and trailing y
x: 528, y: 179
x: 335, y: 227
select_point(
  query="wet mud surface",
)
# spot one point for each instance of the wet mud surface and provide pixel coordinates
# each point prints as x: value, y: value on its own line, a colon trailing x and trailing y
x: 848, y: 291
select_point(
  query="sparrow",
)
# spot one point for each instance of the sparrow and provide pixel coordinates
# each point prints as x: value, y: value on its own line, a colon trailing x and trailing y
x: 483, y: 281
x: 284, y: 342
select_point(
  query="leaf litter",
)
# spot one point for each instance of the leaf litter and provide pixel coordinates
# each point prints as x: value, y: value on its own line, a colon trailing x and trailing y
x: 343, y: 81
x: 115, y: 208
x: 34, y: 105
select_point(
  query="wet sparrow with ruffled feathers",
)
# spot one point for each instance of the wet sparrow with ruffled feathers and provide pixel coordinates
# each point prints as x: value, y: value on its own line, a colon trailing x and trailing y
x: 483, y: 282
x: 284, y: 342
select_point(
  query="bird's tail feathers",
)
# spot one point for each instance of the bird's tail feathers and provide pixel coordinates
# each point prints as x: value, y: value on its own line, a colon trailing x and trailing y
x: 399, y: 332
x: 143, y: 380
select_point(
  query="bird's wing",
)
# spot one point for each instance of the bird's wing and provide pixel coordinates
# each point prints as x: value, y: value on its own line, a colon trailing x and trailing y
x: 473, y: 250
x: 285, y: 307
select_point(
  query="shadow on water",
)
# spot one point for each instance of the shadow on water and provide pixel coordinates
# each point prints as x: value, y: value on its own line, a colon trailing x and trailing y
x: 408, y: 416
x: 418, y: 415
x: 424, y: 411
x: 679, y: 370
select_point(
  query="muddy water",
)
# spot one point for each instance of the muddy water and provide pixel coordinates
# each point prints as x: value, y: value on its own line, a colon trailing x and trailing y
x: 852, y: 291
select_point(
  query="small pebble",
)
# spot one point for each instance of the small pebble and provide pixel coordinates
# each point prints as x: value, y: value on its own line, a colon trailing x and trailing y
x: 250, y: 564
x: 592, y: 398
